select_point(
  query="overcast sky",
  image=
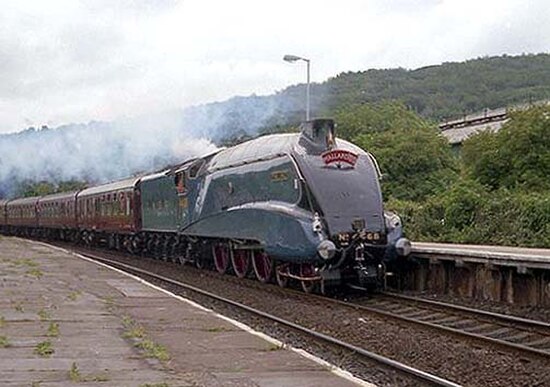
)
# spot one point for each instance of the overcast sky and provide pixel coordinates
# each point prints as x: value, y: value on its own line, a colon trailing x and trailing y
x: 64, y: 61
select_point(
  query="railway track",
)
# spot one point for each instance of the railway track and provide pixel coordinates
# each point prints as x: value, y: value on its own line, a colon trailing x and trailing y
x: 401, y: 368
x: 515, y: 333
x: 452, y: 355
x: 510, y: 332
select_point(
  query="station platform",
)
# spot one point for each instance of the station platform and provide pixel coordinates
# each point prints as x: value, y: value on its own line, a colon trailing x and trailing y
x: 513, y: 275
x: 67, y: 320
x: 520, y: 257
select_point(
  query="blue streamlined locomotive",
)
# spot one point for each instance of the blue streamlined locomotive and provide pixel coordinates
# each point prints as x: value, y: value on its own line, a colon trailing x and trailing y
x: 304, y: 206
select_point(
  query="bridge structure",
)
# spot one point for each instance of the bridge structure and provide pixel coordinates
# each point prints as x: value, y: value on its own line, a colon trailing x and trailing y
x: 458, y: 130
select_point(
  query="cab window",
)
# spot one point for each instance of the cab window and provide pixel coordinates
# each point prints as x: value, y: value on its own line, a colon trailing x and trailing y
x: 179, y: 180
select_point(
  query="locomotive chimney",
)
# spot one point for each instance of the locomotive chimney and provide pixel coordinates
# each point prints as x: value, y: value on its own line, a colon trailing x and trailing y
x: 318, y: 136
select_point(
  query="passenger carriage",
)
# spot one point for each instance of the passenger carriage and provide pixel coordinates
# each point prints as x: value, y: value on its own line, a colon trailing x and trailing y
x: 22, y: 216
x: 57, y: 216
x: 110, y: 213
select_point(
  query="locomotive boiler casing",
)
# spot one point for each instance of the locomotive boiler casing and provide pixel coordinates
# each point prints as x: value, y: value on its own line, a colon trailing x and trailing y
x: 259, y: 200
x: 280, y: 194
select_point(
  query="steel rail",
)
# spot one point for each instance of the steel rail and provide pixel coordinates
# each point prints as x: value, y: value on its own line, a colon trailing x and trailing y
x: 379, y: 310
x: 411, y: 371
x: 497, y: 316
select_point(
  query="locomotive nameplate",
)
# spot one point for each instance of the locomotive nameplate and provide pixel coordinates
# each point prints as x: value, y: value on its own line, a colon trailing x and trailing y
x: 340, y: 156
x: 279, y: 175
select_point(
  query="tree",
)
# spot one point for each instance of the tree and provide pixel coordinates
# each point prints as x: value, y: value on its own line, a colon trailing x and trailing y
x: 517, y: 157
x: 415, y: 159
x: 357, y: 119
x: 41, y: 188
x: 71, y: 185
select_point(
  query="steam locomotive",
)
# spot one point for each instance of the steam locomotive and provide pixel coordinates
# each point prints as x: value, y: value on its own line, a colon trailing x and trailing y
x: 301, y: 206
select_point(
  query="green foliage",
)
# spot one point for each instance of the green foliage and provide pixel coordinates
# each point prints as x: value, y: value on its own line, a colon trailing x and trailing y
x: 354, y: 120
x: 42, y: 188
x: 153, y: 350
x: 71, y: 185
x: 44, y: 349
x: 138, y: 334
x: 35, y: 272
x: 4, y: 342
x: 440, y: 92
x: 415, y: 159
x: 502, y: 197
x: 469, y: 213
x: 53, y: 330
x: 516, y: 157
x: 44, y: 315
x: 446, y: 90
x: 76, y: 376
x: 74, y: 373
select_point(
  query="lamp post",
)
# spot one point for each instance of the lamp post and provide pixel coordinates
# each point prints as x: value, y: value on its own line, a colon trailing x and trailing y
x: 294, y: 58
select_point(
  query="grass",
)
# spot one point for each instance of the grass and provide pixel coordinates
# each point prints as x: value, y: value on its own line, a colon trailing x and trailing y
x: 18, y: 307
x: 53, y: 330
x: 216, y: 329
x: 98, y: 378
x: 4, y: 342
x: 74, y: 373
x: 153, y: 350
x: 274, y: 347
x: 2, y: 321
x: 128, y: 322
x: 44, y: 315
x: 133, y: 331
x: 25, y: 262
x: 74, y: 295
x: 76, y: 377
x: 35, y: 272
x: 44, y: 349
x: 154, y: 385
x: 109, y: 301
x: 137, y: 332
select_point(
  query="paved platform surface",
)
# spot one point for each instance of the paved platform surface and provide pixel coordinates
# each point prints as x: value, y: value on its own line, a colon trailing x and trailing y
x: 67, y: 321
x: 484, y: 249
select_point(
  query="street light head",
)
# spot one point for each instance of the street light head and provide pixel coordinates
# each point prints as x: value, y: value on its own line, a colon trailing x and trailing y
x: 291, y: 58
x: 294, y: 58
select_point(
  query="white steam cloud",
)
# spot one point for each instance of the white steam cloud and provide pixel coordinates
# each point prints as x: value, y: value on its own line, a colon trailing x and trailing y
x: 96, y: 152
x: 99, y: 152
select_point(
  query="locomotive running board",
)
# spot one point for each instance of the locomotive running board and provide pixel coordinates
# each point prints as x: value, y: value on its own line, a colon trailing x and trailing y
x: 246, y: 247
x: 299, y: 278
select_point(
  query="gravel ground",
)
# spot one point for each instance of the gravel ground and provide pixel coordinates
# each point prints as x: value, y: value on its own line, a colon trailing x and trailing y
x: 468, y: 363
x: 530, y: 312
